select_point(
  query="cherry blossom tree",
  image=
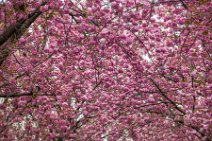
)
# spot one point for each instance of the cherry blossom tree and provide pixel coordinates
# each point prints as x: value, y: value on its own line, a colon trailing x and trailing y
x: 100, y: 70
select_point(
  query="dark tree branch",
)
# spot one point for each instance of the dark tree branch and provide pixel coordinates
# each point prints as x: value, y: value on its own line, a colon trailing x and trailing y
x: 23, y: 23
x: 14, y: 95
x: 175, y: 1
x: 183, y: 4
x: 166, y: 97
x: 14, y: 32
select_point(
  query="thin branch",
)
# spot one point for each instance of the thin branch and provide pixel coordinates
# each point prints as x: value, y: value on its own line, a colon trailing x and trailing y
x: 183, y: 4
x: 166, y: 97
x: 14, y: 95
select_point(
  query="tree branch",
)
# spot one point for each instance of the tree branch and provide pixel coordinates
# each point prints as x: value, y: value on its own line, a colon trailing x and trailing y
x: 14, y: 32
x: 166, y: 97
x: 14, y: 95
x: 183, y: 4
